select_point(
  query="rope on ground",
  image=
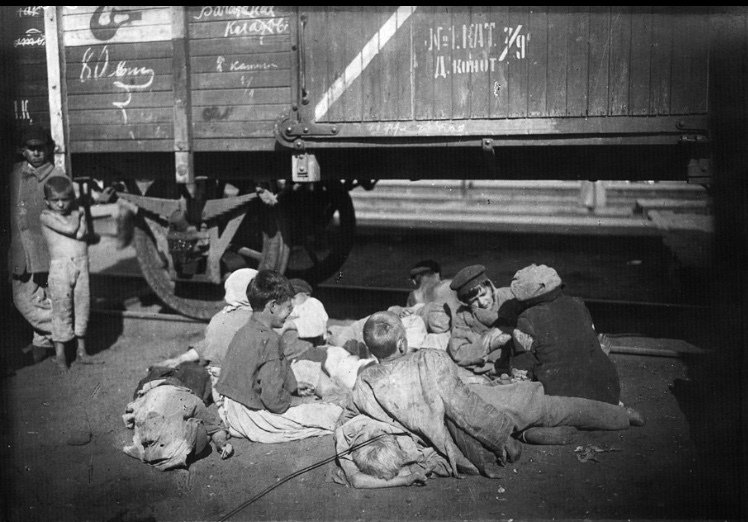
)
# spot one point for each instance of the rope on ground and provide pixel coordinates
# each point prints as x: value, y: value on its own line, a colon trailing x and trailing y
x: 296, y: 474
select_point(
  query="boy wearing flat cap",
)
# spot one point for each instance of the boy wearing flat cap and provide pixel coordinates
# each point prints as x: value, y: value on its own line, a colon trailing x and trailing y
x: 482, y: 323
x: 555, y: 340
x: 28, y: 257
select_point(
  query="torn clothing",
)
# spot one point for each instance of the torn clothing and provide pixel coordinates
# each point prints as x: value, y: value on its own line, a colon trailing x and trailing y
x: 422, y: 393
x: 28, y: 250
x: 220, y: 332
x: 304, y: 419
x: 470, y: 325
x: 527, y: 404
x: 255, y: 372
x: 419, y: 457
x: 170, y: 424
x: 31, y: 300
x: 69, y: 291
x: 190, y: 375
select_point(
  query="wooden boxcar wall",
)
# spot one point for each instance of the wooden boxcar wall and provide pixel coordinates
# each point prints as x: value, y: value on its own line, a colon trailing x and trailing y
x: 377, y: 71
x: 529, y: 70
x: 23, y: 40
x: 118, y: 64
x: 121, y: 74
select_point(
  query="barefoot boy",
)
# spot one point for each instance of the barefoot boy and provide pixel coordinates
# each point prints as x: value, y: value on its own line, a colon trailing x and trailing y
x: 64, y: 230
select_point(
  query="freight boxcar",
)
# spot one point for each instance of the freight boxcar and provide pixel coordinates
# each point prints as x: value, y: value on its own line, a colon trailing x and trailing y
x: 236, y: 132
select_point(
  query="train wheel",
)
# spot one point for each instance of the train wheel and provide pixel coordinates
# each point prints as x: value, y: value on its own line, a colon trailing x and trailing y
x: 262, y: 247
x: 321, y: 228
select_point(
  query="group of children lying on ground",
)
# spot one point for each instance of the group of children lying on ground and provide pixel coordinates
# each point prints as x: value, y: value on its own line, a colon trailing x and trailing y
x: 452, y: 383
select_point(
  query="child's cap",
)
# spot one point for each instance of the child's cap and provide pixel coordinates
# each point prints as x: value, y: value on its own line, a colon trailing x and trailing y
x: 468, y: 278
x: 533, y: 281
x: 299, y: 285
x: 34, y: 135
x: 422, y: 267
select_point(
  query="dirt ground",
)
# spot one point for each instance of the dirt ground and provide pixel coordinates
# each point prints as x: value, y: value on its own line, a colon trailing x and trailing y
x: 684, y: 464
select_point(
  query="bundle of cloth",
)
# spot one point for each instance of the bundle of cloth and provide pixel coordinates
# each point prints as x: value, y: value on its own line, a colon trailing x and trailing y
x: 170, y: 418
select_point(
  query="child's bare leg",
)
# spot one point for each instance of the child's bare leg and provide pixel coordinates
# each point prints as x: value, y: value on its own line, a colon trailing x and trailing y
x: 81, y: 352
x: 60, y: 359
x: 558, y: 435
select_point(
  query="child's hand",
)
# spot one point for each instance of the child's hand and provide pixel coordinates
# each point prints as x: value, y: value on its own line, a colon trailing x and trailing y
x: 304, y: 389
x: 519, y: 375
x: 522, y: 339
x: 418, y: 478
x: 495, y: 338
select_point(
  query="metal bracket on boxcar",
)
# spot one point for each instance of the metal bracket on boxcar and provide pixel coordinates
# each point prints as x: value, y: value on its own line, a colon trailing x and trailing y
x: 301, y: 129
x: 305, y: 168
x: 699, y: 166
x: 291, y: 133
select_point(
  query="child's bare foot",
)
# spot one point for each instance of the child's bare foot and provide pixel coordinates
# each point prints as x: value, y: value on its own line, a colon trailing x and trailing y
x: 62, y: 365
x: 81, y: 353
x: 60, y: 359
x: 220, y: 439
x: 635, y: 418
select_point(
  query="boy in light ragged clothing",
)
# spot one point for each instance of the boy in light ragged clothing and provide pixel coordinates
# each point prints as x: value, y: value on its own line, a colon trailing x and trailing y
x: 64, y: 230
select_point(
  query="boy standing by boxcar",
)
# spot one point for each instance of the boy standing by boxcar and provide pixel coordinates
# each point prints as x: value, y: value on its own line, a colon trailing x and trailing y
x: 64, y: 230
x: 28, y: 258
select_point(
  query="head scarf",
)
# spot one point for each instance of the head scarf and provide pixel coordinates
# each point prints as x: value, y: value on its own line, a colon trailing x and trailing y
x: 236, y: 289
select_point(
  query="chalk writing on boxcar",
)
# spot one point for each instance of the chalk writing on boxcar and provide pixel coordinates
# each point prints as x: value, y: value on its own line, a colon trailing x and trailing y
x: 31, y: 38
x: 454, y: 47
x: 98, y: 68
x: 21, y: 110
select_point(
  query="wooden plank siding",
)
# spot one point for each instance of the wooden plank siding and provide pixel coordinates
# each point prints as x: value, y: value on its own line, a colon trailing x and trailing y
x: 243, y: 84
x: 337, y: 56
x: 509, y: 62
x: 119, y: 77
x: 498, y: 81
x: 24, y: 45
x: 373, y: 71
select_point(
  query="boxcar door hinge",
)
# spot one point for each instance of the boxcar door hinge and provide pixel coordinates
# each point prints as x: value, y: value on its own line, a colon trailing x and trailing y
x: 303, y: 130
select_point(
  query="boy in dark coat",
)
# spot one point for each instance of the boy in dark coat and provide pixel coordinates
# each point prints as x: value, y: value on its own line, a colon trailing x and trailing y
x: 555, y: 340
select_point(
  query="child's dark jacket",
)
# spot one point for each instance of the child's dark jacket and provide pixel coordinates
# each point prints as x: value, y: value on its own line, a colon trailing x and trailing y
x: 255, y: 373
x: 565, y: 354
